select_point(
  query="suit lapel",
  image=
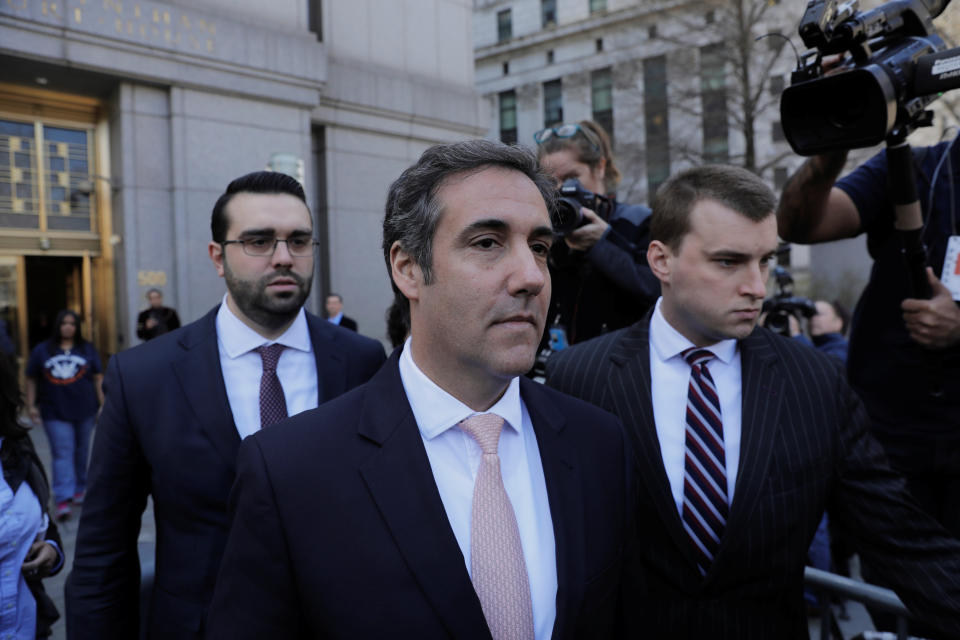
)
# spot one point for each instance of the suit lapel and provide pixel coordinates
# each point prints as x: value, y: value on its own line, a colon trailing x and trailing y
x: 331, y: 374
x: 401, y: 484
x: 201, y: 380
x: 564, y: 494
x: 762, y: 391
x: 630, y: 390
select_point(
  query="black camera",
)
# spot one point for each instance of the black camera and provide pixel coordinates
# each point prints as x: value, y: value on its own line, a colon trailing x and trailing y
x: 898, y: 67
x: 573, y: 196
x: 784, y: 304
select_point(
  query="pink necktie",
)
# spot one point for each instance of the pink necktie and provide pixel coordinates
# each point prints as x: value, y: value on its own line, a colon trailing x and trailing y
x: 499, y: 572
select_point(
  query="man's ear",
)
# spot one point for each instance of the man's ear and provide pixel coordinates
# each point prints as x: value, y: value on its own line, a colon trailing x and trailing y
x: 659, y: 258
x: 405, y: 272
x: 215, y: 249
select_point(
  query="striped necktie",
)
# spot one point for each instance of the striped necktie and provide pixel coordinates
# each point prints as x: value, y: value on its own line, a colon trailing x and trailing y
x: 705, y: 507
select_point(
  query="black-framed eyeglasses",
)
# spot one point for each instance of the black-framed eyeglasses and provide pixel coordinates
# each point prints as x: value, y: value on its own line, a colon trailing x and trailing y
x: 262, y: 246
x: 564, y: 131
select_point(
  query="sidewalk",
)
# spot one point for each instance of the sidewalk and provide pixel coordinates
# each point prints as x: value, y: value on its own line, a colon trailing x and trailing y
x: 68, y: 531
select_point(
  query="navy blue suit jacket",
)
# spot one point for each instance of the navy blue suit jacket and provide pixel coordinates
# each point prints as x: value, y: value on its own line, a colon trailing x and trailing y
x: 341, y: 532
x: 166, y: 430
x: 804, y: 447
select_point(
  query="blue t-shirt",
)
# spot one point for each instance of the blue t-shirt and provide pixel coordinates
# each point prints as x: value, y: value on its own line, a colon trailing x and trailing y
x: 65, y: 385
x: 907, y: 389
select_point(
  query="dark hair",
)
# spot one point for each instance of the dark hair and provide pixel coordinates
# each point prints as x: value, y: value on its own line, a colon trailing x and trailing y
x: 154, y: 290
x: 335, y: 295
x: 55, y: 336
x: 11, y: 400
x: 398, y: 322
x: 413, y: 210
x: 256, y: 182
x: 733, y: 187
x: 591, y: 144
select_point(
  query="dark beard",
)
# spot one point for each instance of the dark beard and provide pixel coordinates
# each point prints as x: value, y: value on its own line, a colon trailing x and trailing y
x: 270, y: 312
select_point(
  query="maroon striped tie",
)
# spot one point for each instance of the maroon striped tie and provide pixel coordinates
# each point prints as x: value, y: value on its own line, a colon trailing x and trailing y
x: 705, y: 473
x: 273, y: 404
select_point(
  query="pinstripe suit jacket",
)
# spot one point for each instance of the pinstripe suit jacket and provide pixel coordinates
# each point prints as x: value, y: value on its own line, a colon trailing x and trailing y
x: 804, y: 447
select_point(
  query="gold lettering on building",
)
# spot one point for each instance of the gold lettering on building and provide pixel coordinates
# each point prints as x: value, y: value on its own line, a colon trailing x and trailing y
x: 152, y: 278
x: 136, y: 11
x: 116, y: 5
x: 77, y: 15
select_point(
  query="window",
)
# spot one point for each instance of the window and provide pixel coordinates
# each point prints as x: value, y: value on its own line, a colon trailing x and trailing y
x: 548, y: 13
x: 776, y: 85
x: 777, y: 132
x: 599, y: 45
x: 552, y: 103
x: 713, y: 98
x: 597, y: 6
x: 550, y: 56
x: 506, y: 67
x: 710, y: 17
x: 656, y: 122
x: 504, y: 25
x: 601, y: 90
x: 508, y: 117
x: 652, y: 32
x: 779, y: 177
x: 315, y: 18
x: 45, y: 177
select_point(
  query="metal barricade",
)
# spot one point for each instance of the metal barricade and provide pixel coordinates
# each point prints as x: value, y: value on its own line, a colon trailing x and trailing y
x: 868, y: 594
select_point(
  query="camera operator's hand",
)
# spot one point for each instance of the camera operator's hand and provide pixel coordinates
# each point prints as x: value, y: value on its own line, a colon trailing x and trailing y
x: 583, y: 238
x: 794, y: 325
x: 933, y: 323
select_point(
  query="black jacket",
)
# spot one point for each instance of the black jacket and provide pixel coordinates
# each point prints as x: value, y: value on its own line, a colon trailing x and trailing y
x: 608, y: 287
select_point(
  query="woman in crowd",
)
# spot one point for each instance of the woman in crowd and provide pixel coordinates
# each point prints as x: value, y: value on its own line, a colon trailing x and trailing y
x: 29, y: 542
x: 63, y: 389
x: 601, y: 281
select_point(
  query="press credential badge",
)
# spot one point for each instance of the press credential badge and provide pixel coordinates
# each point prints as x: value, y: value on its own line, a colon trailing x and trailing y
x: 951, y: 267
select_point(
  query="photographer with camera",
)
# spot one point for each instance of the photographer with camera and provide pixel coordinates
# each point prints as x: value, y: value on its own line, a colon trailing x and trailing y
x: 601, y: 281
x: 897, y: 343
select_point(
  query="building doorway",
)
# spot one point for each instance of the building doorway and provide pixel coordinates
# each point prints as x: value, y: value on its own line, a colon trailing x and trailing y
x: 53, y: 284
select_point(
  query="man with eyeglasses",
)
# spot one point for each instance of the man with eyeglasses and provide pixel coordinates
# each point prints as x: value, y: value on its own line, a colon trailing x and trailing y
x: 178, y: 406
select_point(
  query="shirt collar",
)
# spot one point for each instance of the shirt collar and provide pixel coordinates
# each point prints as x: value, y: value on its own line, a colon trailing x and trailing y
x: 336, y: 319
x: 238, y: 339
x: 669, y: 343
x: 435, y: 410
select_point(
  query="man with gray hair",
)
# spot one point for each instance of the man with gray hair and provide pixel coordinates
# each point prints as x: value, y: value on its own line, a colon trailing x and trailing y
x: 449, y: 496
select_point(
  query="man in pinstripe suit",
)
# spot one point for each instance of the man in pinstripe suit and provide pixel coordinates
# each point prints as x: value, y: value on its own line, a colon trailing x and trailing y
x: 743, y: 437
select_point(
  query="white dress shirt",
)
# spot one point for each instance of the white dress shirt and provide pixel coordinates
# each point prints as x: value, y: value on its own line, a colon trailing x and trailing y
x: 455, y: 458
x: 669, y: 383
x: 336, y: 319
x: 242, y: 368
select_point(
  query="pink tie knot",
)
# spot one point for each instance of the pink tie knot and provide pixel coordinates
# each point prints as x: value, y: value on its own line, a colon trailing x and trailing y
x: 270, y: 355
x: 485, y: 428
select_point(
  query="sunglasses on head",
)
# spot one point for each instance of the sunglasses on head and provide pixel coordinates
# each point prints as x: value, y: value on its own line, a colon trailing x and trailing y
x: 564, y: 131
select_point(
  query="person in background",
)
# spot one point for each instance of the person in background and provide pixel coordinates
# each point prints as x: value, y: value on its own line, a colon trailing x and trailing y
x: 64, y: 379
x: 157, y: 319
x: 6, y: 343
x: 601, y: 281
x: 30, y: 547
x: 334, y: 306
x: 827, y: 328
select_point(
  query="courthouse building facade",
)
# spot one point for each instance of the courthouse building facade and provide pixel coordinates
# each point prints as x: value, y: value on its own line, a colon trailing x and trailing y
x: 121, y: 121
